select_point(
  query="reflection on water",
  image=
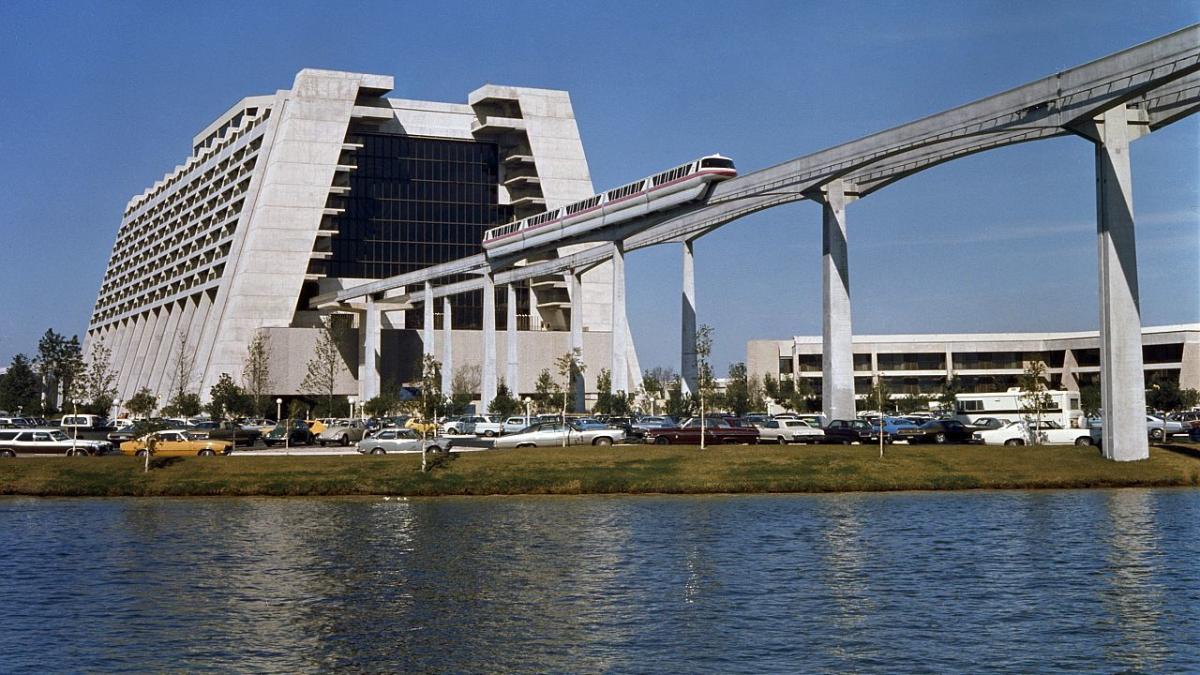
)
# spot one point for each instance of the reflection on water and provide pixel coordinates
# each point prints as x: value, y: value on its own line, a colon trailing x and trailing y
x: 1020, y: 581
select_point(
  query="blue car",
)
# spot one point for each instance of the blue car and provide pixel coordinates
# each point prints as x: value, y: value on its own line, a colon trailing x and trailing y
x: 897, y: 428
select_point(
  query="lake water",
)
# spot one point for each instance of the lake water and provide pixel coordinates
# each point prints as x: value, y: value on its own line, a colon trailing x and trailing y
x: 952, y: 582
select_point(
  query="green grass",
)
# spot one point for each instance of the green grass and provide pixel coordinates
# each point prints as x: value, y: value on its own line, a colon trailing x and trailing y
x: 631, y: 469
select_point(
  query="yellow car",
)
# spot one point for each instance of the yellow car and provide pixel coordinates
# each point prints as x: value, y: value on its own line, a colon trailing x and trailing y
x: 316, y: 426
x: 421, y: 427
x: 175, y: 444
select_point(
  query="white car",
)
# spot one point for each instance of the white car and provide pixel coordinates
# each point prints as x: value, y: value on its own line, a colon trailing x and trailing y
x: 480, y: 425
x: 398, y: 440
x: 1025, y: 433
x: 550, y: 434
x: 518, y: 423
x: 783, y: 431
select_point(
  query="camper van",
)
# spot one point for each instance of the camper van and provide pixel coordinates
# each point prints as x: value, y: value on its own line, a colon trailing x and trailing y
x: 1063, y: 409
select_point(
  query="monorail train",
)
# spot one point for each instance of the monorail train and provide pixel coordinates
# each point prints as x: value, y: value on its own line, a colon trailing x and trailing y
x: 682, y: 184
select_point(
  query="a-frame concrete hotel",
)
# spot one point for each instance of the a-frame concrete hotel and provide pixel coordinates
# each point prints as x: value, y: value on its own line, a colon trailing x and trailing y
x: 328, y: 185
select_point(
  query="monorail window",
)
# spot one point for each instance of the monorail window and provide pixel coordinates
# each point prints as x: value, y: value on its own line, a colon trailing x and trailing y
x: 716, y: 163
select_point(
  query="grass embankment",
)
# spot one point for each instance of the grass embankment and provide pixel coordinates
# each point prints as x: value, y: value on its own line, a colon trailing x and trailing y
x: 635, y: 469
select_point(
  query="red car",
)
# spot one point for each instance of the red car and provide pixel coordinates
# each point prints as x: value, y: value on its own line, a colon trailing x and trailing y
x: 717, y: 430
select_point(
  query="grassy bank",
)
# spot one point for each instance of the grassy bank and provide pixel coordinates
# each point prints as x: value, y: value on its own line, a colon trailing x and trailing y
x: 637, y: 469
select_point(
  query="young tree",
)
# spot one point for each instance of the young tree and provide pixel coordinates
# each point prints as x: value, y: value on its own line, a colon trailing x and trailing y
x: 880, y: 395
x: 771, y: 387
x: 604, y: 394
x: 326, y: 363
x: 380, y: 406
x: 96, y: 385
x: 60, y: 359
x: 183, y: 405
x: 755, y: 390
x: 431, y: 402
x: 227, y: 399
x: 142, y: 403
x: 737, y: 391
x: 545, y: 391
x: 705, y: 380
x: 947, y: 399
x: 466, y: 382
x: 183, y: 402
x: 798, y: 395
x: 1034, y: 399
x: 1090, y: 400
x: 570, y: 366
x: 679, y: 405
x: 504, y: 405
x: 19, y: 388
x: 256, y: 373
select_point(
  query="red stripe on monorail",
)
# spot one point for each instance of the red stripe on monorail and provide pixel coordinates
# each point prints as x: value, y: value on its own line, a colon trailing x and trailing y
x: 703, y: 172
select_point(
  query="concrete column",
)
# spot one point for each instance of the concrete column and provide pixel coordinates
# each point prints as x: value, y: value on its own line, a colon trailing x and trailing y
x: 575, y: 283
x: 1121, y: 374
x: 447, y: 347
x: 620, y: 367
x: 488, y: 384
x: 688, y: 371
x: 513, y: 371
x: 837, y: 353
x: 427, y: 334
x: 368, y: 363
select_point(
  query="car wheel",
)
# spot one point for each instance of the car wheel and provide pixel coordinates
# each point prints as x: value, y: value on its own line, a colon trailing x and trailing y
x: 77, y: 452
x: 602, y: 441
x: 321, y: 443
x: 781, y: 440
x: 378, y: 451
x: 525, y: 445
x: 434, y: 448
x: 207, y: 452
x: 140, y: 453
x: 1083, y: 440
x: 662, y: 440
x: 1156, y: 434
x: 7, y: 453
x: 940, y: 438
x: 1014, y: 441
x: 489, y: 434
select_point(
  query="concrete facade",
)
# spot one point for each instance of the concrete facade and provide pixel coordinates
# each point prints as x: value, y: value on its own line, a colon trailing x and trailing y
x: 917, y: 364
x: 223, y: 246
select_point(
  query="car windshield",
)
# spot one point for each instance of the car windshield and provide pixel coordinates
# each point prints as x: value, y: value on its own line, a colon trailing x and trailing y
x: 58, y: 436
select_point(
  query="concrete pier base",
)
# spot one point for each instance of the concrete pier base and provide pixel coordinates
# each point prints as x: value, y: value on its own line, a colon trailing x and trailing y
x: 837, y: 355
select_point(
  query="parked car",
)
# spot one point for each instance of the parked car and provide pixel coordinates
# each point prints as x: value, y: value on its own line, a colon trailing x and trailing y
x: 551, y: 434
x: 480, y: 425
x: 518, y: 423
x: 14, y: 423
x: 134, y: 430
x: 655, y: 422
x: 343, y: 432
x: 1032, y: 433
x: 1154, y: 426
x: 15, y: 442
x: 626, y: 424
x: 985, y: 423
x: 851, y: 431
x: 941, y: 431
x: 259, y: 424
x: 717, y: 430
x: 84, y: 422
x: 224, y: 431
x: 176, y: 443
x: 896, y: 428
x: 420, y: 426
x: 399, y: 440
x: 788, y: 431
x: 297, y: 433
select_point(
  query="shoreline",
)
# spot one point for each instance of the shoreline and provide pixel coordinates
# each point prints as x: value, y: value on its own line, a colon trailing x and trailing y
x: 619, y: 470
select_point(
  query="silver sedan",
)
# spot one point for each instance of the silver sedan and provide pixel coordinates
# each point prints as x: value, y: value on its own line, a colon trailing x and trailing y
x: 551, y: 434
x: 398, y: 440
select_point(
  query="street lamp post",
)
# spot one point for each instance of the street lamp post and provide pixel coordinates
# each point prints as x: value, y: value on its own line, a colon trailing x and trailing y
x: 528, y: 403
x: 278, y: 410
x: 352, y: 401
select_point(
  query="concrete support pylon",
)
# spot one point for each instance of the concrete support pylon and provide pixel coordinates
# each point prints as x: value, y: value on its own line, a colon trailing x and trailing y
x: 488, y: 382
x: 447, y: 348
x: 427, y: 333
x: 510, y: 328
x: 837, y: 353
x: 1122, y: 383
x: 575, y: 283
x: 620, y: 329
x: 369, y: 352
x: 688, y: 370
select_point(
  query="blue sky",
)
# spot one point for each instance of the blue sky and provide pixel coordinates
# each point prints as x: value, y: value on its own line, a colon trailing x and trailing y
x: 99, y: 100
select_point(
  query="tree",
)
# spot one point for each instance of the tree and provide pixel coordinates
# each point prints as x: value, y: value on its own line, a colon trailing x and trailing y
x: 181, y: 377
x: 545, y: 391
x: 226, y: 399
x: 256, y: 373
x: 142, y: 403
x: 184, y: 404
x: 947, y: 399
x: 1164, y: 394
x: 381, y: 405
x: 771, y: 387
x: 679, y: 405
x: 755, y: 390
x: 913, y: 403
x: 737, y: 391
x: 880, y: 395
x: 570, y: 367
x: 60, y: 359
x: 432, y: 403
x: 504, y: 405
x: 706, y: 383
x: 466, y: 382
x: 1034, y: 399
x: 798, y: 395
x: 604, y: 394
x: 326, y: 363
x: 1090, y: 400
x: 19, y: 389
x: 96, y: 386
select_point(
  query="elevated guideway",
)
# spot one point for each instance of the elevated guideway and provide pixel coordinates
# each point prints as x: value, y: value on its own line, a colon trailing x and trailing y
x: 1109, y: 102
